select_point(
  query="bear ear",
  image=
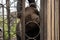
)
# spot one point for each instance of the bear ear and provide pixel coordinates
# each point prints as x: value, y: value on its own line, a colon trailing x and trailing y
x: 33, y: 5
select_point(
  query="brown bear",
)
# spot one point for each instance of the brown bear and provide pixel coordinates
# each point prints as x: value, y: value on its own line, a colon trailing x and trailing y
x: 32, y: 22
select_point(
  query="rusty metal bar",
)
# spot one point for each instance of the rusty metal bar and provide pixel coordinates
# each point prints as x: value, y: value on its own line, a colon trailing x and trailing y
x: 8, y: 17
x: 23, y: 20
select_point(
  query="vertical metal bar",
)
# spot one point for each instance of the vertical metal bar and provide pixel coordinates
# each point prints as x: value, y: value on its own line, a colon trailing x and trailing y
x: 23, y: 20
x: 3, y: 21
x: 56, y: 19
x: 59, y: 19
x: 45, y: 20
x: 53, y: 34
x: 49, y: 23
x: 41, y: 23
x: 8, y: 17
x: 19, y: 8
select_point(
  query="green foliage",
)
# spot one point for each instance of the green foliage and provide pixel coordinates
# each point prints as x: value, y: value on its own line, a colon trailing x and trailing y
x: 12, y: 31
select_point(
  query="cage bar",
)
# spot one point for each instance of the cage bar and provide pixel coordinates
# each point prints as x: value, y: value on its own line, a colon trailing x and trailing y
x: 8, y: 17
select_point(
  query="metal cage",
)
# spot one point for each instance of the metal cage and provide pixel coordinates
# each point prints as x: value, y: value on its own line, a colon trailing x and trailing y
x: 10, y: 19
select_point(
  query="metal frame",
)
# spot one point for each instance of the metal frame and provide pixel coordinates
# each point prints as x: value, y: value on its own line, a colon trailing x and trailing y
x: 49, y: 19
